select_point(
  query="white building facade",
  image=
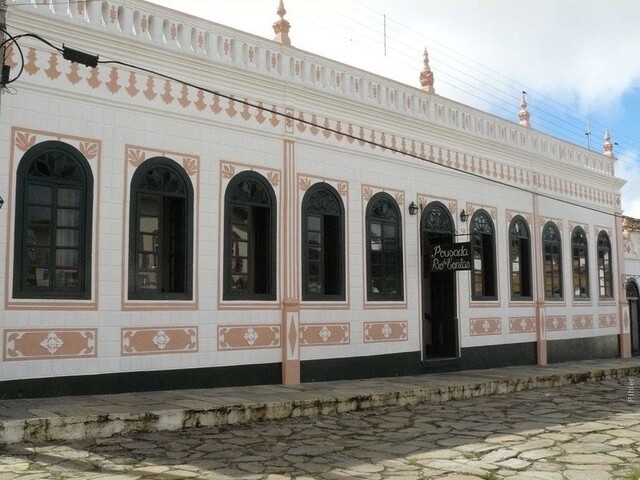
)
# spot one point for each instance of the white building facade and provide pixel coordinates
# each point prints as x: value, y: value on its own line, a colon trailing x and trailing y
x: 206, y: 208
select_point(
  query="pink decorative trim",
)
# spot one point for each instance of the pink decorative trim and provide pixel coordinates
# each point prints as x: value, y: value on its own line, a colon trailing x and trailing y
x: 582, y: 322
x: 324, y: 334
x: 248, y: 337
x: 36, y: 344
x: 556, y: 324
x: 522, y: 325
x: 607, y: 321
x: 153, y: 340
x: 385, y: 332
x: 432, y: 153
x: 485, y: 326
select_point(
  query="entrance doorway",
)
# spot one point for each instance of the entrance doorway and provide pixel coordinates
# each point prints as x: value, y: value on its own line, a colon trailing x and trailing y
x: 634, y: 302
x: 439, y: 322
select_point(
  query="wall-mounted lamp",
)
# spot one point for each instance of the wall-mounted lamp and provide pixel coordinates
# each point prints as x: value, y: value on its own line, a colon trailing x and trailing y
x: 464, y: 216
x: 1, y: 202
x: 413, y: 208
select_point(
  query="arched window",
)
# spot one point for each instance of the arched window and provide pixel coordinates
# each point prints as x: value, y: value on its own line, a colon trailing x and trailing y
x: 605, y: 274
x: 161, y: 232
x: 322, y: 244
x: 483, y: 273
x: 552, y: 262
x: 384, y: 249
x: 249, y: 239
x: 54, y: 221
x: 580, y: 264
x: 520, y: 259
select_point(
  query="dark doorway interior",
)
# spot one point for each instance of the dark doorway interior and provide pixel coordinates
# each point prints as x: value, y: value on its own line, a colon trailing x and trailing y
x: 439, y: 323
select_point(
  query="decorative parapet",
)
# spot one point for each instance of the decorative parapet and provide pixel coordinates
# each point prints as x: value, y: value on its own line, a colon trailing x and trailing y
x: 185, y: 34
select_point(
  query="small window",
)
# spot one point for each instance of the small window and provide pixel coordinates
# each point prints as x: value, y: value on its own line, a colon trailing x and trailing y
x: 54, y: 198
x: 552, y: 262
x: 384, y: 249
x: 483, y: 271
x: 249, y: 239
x: 605, y: 274
x: 580, y: 264
x: 520, y: 259
x: 322, y: 244
x: 161, y: 232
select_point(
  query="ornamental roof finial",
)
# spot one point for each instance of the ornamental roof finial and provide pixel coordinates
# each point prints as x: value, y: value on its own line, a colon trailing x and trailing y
x: 426, y: 76
x: 607, y: 145
x: 523, y: 114
x: 281, y: 27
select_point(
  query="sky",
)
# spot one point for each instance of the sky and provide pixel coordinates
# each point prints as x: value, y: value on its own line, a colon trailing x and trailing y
x: 578, y: 60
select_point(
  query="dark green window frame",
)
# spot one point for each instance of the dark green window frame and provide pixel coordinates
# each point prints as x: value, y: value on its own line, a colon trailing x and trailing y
x: 552, y: 262
x: 520, y: 259
x: 54, y: 221
x: 249, y: 239
x: 605, y: 268
x: 323, y: 245
x: 161, y: 232
x: 385, y: 270
x: 580, y: 264
x: 483, y: 269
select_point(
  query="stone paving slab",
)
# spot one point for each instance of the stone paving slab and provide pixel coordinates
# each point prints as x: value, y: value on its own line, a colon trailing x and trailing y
x: 102, y: 416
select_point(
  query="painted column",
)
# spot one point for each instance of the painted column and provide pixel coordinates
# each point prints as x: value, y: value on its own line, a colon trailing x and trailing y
x: 623, y: 305
x: 289, y: 261
x: 538, y: 272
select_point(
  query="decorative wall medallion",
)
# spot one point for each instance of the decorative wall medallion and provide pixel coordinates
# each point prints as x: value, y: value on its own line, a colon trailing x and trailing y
x: 151, y: 340
x: 582, y: 322
x: 607, y: 321
x: 36, y: 344
x: 556, y: 324
x: 485, y: 326
x: 324, y: 334
x: 385, y: 331
x: 247, y: 337
x: 522, y: 325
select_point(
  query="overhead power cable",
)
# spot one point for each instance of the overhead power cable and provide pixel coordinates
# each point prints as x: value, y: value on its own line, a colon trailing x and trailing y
x: 91, y: 59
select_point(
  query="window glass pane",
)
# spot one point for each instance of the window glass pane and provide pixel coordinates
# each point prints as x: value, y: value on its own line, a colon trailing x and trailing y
x: 389, y: 232
x: 67, y: 278
x: 314, y: 269
x: 314, y: 285
x: 313, y: 253
x: 39, y: 226
x: 69, y: 197
x: 68, y: 218
x: 67, y: 258
x: 147, y: 243
x: 240, y: 265
x: 67, y: 238
x: 240, y: 232
x: 314, y: 222
x: 147, y: 280
x: 147, y: 261
x: 314, y: 239
x: 148, y: 206
x: 239, y: 282
x: 39, y: 194
x: 38, y: 276
x: 149, y: 224
x: 240, y: 215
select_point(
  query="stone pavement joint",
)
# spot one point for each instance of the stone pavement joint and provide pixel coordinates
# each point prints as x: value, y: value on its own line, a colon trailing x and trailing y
x: 104, y: 416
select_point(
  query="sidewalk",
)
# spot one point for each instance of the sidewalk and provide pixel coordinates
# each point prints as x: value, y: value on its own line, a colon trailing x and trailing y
x: 101, y: 416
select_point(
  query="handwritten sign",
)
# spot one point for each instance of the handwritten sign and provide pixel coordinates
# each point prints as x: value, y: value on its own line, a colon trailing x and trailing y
x: 449, y: 257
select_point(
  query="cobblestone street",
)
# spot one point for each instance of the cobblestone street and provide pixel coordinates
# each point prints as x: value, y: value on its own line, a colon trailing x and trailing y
x: 587, y: 431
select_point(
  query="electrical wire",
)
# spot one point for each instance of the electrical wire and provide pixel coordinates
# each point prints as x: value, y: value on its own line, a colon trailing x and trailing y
x: 565, y: 109
x: 545, y: 115
x: 286, y: 116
